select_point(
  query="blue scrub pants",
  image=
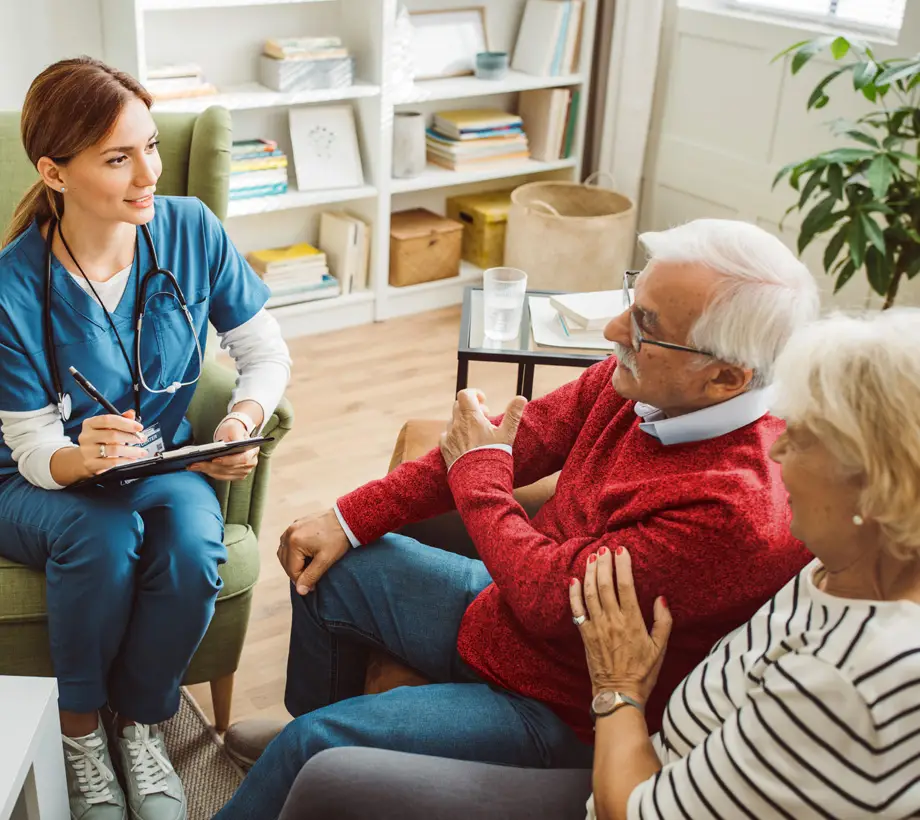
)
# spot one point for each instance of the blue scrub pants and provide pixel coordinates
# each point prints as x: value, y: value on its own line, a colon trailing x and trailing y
x: 131, y: 575
x: 407, y: 599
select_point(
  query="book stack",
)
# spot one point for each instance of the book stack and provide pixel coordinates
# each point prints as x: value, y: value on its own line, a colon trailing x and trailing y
x: 295, y: 273
x: 173, y: 82
x: 470, y: 138
x: 306, y: 64
x: 257, y: 168
x: 549, y: 116
x: 549, y: 37
x: 583, y: 316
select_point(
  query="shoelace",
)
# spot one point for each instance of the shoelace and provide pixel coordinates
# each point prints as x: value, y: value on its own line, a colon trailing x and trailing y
x: 149, y: 761
x: 93, y: 776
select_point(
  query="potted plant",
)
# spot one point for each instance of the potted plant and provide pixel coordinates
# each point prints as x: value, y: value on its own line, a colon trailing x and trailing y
x: 866, y: 195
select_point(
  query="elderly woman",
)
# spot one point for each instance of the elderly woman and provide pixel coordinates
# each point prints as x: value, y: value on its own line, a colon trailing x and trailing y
x: 810, y: 710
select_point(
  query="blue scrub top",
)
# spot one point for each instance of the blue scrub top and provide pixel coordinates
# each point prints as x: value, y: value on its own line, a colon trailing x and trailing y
x: 218, y: 284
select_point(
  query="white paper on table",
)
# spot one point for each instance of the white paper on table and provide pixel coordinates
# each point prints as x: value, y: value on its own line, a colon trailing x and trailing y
x: 548, y: 330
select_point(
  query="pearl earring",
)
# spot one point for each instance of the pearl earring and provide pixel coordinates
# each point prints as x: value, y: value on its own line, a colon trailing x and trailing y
x: 63, y: 189
x: 858, y: 520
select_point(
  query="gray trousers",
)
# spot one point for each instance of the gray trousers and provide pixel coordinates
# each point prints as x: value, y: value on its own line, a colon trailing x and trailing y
x: 355, y: 783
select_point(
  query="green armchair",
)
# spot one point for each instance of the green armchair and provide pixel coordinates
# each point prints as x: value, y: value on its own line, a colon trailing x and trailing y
x: 196, y: 162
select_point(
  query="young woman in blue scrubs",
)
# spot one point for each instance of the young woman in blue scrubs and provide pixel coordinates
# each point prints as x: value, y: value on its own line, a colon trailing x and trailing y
x: 131, y: 570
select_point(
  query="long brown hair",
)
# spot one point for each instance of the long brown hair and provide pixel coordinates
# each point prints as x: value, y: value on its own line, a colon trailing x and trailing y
x: 69, y: 107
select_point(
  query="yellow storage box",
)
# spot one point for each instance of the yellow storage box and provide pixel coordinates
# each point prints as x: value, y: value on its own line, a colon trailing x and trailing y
x: 484, y: 217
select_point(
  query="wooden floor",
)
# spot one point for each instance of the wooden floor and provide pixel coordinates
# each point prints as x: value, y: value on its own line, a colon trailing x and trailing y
x: 352, y: 391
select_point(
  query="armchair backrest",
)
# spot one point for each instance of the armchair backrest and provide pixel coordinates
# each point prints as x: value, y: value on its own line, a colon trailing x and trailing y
x: 195, y: 150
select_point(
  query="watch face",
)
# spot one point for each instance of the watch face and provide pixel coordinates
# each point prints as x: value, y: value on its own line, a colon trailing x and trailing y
x: 604, y: 702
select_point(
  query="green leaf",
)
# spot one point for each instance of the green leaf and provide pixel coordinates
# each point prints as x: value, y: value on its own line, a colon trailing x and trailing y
x: 859, y: 136
x: 845, y: 275
x: 914, y: 267
x: 873, y: 231
x: 878, y: 271
x: 840, y: 47
x: 786, y: 51
x: 893, y: 73
x: 835, y: 180
x: 880, y: 173
x: 818, y: 219
x: 810, y: 186
x: 870, y: 92
x: 832, y: 251
x: 856, y: 238
x: 905, y: 156
x: 864, y: 74
x: 809, y: 50
x: 846, y: 155
x: 782, y: 172
x: 818, y: 99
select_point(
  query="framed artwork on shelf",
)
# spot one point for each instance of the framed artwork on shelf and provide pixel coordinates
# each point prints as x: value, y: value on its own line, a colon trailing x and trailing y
x: 445, y: 43
x: 325, y: 147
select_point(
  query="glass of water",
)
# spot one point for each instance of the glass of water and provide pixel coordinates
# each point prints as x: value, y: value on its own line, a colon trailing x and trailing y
x: 503, y: 291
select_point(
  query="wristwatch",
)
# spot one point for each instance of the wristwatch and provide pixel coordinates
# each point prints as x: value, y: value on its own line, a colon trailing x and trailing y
x: 244, y: 418
x: 607, y: 701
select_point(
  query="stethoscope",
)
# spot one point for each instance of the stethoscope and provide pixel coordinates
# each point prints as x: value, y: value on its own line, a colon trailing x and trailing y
x: 141, y: 300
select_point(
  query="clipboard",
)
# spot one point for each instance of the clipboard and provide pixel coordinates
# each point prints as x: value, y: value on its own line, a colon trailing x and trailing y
x: 170, y: 461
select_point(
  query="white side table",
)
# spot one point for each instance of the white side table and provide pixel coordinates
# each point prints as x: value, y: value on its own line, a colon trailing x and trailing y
x: 32, y: 781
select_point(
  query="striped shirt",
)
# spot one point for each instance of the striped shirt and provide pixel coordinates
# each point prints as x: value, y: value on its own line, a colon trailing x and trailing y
x: 810, y: 710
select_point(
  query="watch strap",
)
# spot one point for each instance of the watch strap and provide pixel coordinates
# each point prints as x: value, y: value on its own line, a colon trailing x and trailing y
x: 620, y: 700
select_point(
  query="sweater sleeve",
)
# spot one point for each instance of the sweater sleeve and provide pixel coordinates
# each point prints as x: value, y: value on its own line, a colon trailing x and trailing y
x: 531, y: 570
x: 262, y: 361
x: 418, y: 489
x: 33, y: 438
x: 804, y: 744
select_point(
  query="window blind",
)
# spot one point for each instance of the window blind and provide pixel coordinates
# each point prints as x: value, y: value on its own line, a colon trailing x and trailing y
x: 876, y: 14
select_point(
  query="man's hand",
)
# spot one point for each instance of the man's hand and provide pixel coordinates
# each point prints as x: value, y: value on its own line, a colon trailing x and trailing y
x: 310, y: 546
x: 469, y: 428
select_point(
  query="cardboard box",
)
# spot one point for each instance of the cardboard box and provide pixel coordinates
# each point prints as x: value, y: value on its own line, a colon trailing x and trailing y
x: 485, y: 218
x: 423, y: 247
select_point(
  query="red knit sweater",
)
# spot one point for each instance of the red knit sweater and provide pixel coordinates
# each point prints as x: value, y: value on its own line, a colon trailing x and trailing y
x: 706, y: 524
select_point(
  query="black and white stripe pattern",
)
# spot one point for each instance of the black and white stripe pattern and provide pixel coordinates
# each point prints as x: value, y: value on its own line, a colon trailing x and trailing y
x: 812, y: 710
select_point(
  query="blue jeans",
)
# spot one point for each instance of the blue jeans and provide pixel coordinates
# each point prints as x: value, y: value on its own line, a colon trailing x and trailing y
x: 408, y: 600
x: 131, y: 579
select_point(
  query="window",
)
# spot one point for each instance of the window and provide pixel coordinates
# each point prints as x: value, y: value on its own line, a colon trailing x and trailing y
x: 863, y: 14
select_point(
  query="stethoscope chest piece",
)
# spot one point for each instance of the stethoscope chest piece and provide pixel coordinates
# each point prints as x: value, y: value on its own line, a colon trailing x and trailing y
x: 65, y: 406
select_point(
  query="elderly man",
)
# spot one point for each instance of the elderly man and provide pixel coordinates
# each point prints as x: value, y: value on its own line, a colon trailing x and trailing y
x: 662, y: 449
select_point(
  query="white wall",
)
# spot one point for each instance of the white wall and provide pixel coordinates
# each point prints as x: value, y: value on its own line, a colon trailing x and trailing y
x: 36, y: 33
x: 726, y: 120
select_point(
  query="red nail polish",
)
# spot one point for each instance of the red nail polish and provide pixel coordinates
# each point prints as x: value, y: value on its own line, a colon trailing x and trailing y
x: 592, y: 559
x: 664, y: 602
x: 619, y: 550
x: 602, y: 551
x: 573, y: 581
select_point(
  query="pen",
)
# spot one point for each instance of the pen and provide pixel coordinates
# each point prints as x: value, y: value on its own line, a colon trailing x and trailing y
x: 92, y: 392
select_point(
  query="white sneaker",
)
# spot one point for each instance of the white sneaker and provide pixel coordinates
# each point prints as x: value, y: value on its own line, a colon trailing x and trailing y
x: 91, y: 785
x: 153, y: 788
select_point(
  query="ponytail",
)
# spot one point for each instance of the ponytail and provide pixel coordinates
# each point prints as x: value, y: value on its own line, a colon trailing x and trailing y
x: 40, y: 203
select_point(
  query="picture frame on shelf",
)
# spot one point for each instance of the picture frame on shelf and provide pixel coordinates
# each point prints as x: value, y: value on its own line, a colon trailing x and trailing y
x: 325, y: 147
x: 445, y: 43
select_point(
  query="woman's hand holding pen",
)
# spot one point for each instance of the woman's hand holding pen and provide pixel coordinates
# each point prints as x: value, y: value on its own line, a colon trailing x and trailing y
x: 106, y: 441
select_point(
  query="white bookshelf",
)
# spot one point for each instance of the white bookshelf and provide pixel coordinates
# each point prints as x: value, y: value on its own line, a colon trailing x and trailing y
x: 225, y: 38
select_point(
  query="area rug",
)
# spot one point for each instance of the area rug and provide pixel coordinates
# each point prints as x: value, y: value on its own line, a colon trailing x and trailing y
x: 210, y: 777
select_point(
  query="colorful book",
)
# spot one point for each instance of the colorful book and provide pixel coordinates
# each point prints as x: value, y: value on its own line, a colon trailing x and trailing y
x: 286, y: 47
x: 263, y: 190
x: 271, y: 259
x: 475, y: 122
x: 259, y: 147
x: 263, y: 163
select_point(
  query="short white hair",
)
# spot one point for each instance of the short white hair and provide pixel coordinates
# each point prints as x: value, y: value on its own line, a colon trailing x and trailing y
x: 765, y: 294
x: 854, y: 381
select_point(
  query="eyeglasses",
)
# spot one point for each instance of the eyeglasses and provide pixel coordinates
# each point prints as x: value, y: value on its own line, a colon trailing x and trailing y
x: 629, y: 283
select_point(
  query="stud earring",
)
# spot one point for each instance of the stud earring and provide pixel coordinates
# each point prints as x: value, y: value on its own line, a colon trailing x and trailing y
x: 63, y: 189
x: 858, y: 520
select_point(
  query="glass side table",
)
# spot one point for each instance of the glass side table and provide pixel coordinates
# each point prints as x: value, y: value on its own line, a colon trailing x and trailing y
x: 522, y: 351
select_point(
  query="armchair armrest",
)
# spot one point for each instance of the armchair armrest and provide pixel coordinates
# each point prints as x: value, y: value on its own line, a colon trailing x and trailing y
x: 241, y: 502
x: 446, y: 531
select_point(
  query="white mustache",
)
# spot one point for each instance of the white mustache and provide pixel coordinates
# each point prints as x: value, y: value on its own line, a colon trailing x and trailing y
x: 626, y: 357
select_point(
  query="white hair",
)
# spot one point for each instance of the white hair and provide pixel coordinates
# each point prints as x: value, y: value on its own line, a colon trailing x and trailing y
x: 854, y: 381
x: 765, y: 294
